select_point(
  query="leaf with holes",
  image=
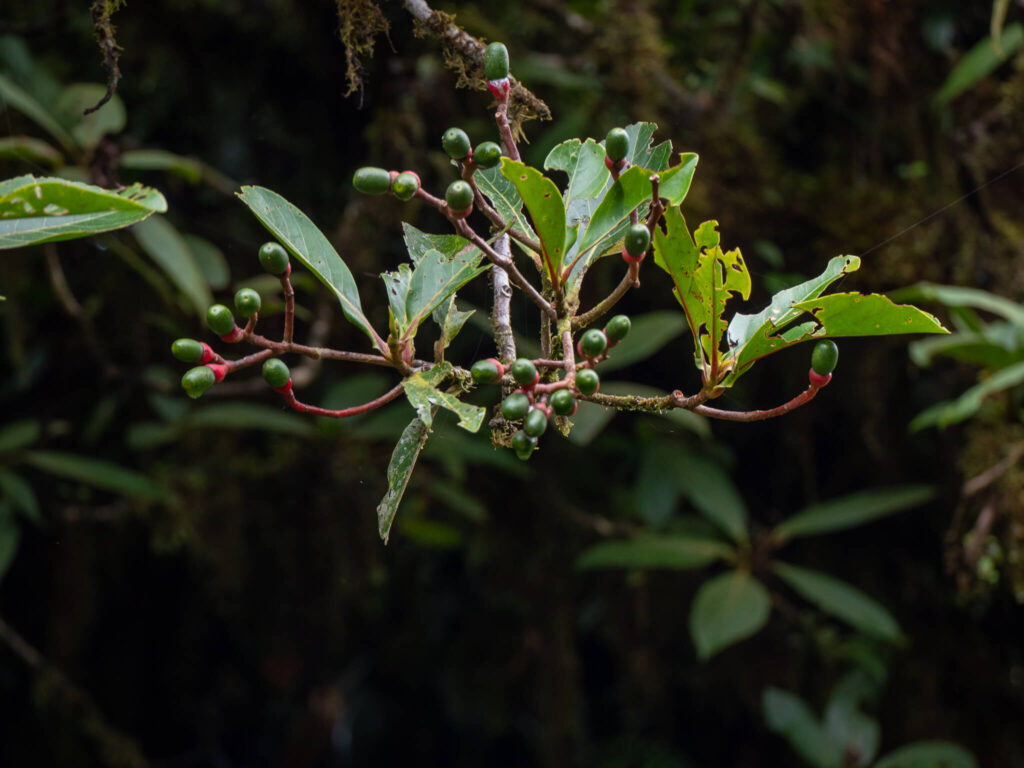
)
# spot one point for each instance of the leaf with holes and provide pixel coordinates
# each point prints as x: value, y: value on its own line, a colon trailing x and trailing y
x: 422, y: 392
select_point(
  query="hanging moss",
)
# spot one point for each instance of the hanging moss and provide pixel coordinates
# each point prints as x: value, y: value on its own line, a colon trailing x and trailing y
x: 361, y: 21
x: 102, y: 11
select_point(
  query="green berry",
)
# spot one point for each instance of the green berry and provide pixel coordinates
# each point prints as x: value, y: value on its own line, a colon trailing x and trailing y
x: 587, y: 381
x: 824, y: 357
x: 197, y: 380
x: 455, y: 143
x: 593, y: 343
x: 617, y: 328
x: 487, y: 155
x: 485, y: 371
x: 524, y: 372
x: 515, y: 406
x: 276, y: 373
x: 523, y: 442
x: 638, y: 237
x: 459, y: 196
x: 616, y: 144
x: 536, y: 422
x: 220, y: 320
x: 496, y: 61
x: 188, y: 350
x: 405, y: 185
x: 372, y: 181
x: 563, y: 403
x: 274, y: 258
x: 247, y: 302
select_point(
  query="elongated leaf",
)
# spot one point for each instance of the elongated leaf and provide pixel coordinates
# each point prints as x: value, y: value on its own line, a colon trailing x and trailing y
x: 998, y: 346
x: 929, y: 754
x: 10, y: 536
x: 504, y: 198
x: 789, y: 716
x: 853, y: 510
x: 403, y: 461
x: 188, y: 168
x: 19, y: 434
x: 857, y: 314
x: 309, y: 245
x: 648, y: 333
x: 547, y: 211
x: 839, y: 599
x: 678, y: 552
x: 979, y: 62
x: 434, y: 279
x: 97, y: 473
x: 20, y: 495
x: 248, y: 416
x: 958, y: 296
x: 212, y: 265
x: 30, y: 150
x: 969, y: 403
x: 712, y: 492
x: 422, y: 392
x: 17, y: 98
x: 167, y: 248
x: 728, y: 608
x: 42, y: 210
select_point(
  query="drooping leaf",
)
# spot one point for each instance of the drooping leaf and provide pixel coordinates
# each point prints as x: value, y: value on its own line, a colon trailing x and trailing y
x: 422, y: 392
x: 403, y: 461
x: 667, y: 551
x: 505, y: 199
x: 959, y: 296
x: 10, y: 536
x: 42, y: 210
x: 853, y: 510
x: 169, y: 250
x: 789, y: 716
x: 547, y: 211
x: 969, y: 403
x: 728, y: 608
x: 28, y: 149
x: 979, y: 62
x: 309, y: 245
x: 839, y: 599
x: 929, y: 754
x: 15, y: 97
x: 20, y: 495
x: 98, y: 473
x: 433, y: 280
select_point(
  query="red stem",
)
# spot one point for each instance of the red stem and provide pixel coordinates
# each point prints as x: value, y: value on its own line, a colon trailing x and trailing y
x: 802, y: 399
x: 355, y: 410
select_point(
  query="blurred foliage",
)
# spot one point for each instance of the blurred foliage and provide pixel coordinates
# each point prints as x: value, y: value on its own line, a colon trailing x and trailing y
x: 252, y: 617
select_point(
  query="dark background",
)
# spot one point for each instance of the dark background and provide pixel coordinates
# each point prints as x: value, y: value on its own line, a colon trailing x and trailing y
x: 257, y: 620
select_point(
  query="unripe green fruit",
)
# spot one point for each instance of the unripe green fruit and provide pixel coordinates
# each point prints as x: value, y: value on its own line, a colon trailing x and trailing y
x: 485, y: 372
x: 562, y: 402
x: 459, y: 196
x: 198, y: 380
x: 524, y: 372
x: 405, y: 186
x: 617, y: 328
x: 587, y: 381
x: 638, y: 237
x: 616, y: 144
x: 824, y: 357
x: 188, y: 350
x: 593, y: 343
x: 496, y: 61
x: 487, y: 155
x: 536, y: 422
x: 247, y: 302
x: 515, y: 406
x: 274, y: 258
x: 372, y: 181
x: 220, y: 320
x: 523, y: 442
x: 455, y: 143
x: 276, y: 373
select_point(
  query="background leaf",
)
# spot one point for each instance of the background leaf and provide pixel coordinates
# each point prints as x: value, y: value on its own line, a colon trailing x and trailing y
x: 168, y: 249
x: 853, y: 510
x: 728, y: 608
x: 648, y: 333
x: 10, y: 536
x: 929, y: 754
x: 979, y: 62
x: 20, y: 495
x: 667, y: 551
x: 97, y: 473
x: 789, y: 716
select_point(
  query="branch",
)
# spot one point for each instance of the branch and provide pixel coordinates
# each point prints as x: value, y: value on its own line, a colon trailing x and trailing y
x: 501, y: 317
x: 355, y: 410
x: 802, y: 399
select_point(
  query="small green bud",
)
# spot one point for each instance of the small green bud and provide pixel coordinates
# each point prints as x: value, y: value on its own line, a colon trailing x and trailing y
x: 405, y: 185
x: 372, y: 181
x: 197, y: 380
x: 616, y: 144
x: 593, y: 343
x: 638, y: 237
x: 487, y: 155
x: 496, y: 61
x: 562, y: 402
x: 587, y: 381
x: 524, y: 372
x: 276, y: 373
x: 485, y: 371
x: 824, y: 357
x: 188, y: 350
x: 515, y: 406
x: 455, y: 143
x: 536, y: 422
x: 274, y: 258
x: 220, y: 320
x: 617, y: 328
x: 459, y: 195
x: 247, y: 302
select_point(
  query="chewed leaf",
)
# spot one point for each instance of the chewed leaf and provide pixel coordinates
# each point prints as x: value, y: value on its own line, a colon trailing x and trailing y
x: 856, y: 314
x: 422, y: 392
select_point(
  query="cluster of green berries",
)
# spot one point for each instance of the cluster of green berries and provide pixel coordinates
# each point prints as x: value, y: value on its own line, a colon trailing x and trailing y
x: 823, y: 362
x: 221, y: 320
x: 377, y: 181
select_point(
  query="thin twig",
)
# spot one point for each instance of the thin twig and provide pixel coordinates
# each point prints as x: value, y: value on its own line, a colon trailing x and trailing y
x: 802, y: 399
x: 289, y: 306
x: 355, y: 410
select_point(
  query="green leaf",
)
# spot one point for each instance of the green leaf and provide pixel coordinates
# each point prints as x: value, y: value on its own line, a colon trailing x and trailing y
x: 211, y: 263
x: 789, y: 716
x: 728, y: 608
x: 996, y: 346
x: 187, y: 168
x: 450, y: 319
x: 969, y: 403
x: 403, y: 461
x: 309, y: 245
x: 42, y: 210
x: 979, y: 62
x: 248, y: 416
x: 547, y: 211
x: 89, y: 129
x: 846, y: 724
x: 19, y: 434
x: 434, y: 279
x: 958, y: 296
x: 30, y: 150
x: 422, y: 392
x: 417, y: 243
x: 857, y: 314
x: 839, y: 599
x: 98, y: 473
x: 648, y: 333
x: 166, y: 247
x: 853, y: 510
x: 649, y: 551
x: 504, y: 198
x: 929, y: 754
x: 588, y: 176
x: 20, y: 494
x: 16, y: 98
x: 10, y: 536
x: 712, y: 492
